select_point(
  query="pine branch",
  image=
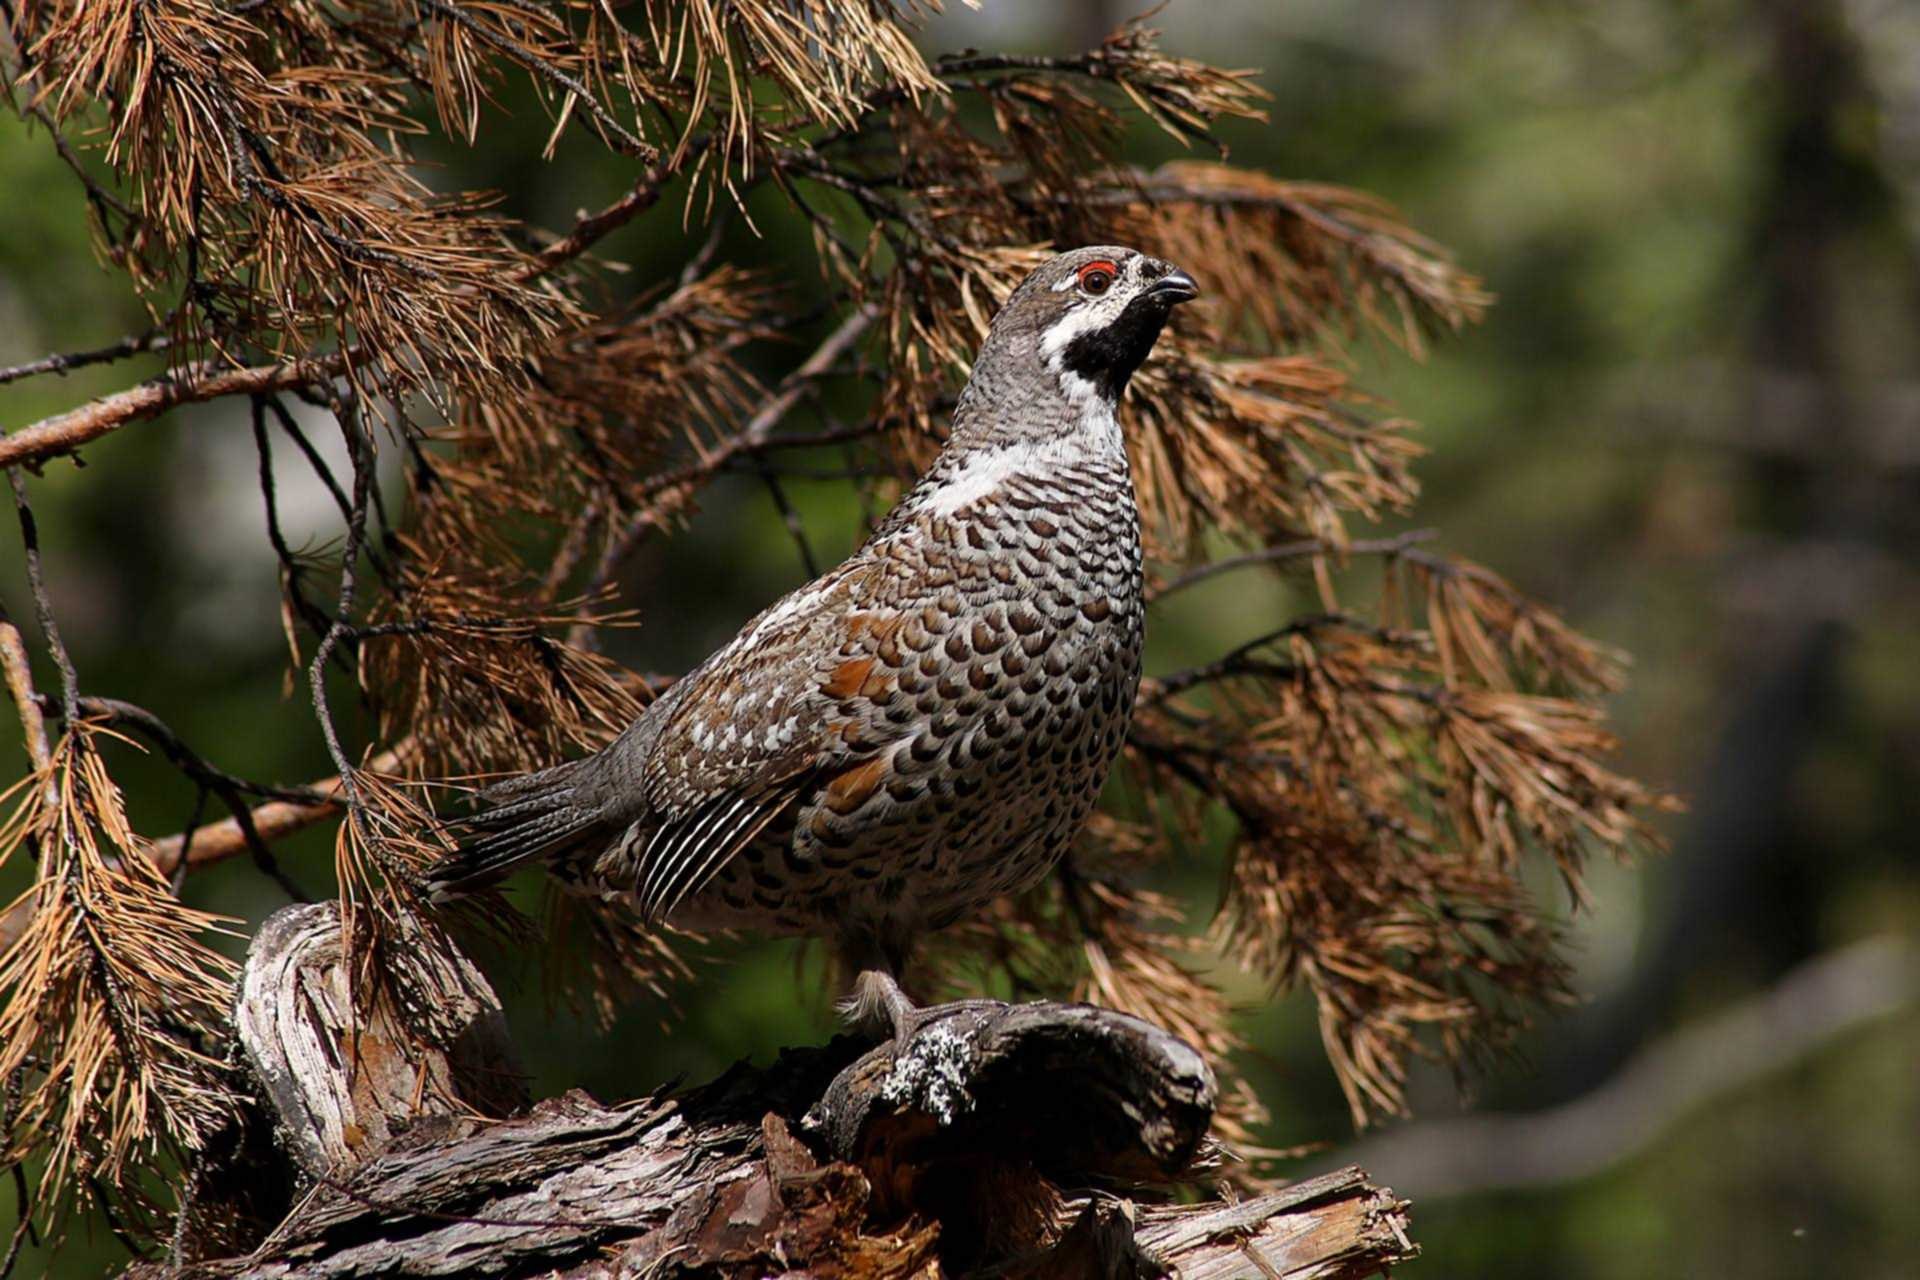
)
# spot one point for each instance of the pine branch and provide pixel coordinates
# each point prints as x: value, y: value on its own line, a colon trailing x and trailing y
x: 208, y: 778
x: 752, y: 437
x: 1299, y: 549
x: 272, y: 821
x: 617, y: 134
x: 63, y: 433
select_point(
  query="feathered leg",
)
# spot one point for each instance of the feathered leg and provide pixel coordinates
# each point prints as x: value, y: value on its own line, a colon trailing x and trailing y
x: 875, y: 1005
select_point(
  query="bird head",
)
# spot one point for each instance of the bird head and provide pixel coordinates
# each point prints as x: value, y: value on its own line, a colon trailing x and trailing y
x: 1089, y: 317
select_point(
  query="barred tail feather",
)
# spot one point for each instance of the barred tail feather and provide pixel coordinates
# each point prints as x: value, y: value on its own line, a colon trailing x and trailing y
x: 542, y: 815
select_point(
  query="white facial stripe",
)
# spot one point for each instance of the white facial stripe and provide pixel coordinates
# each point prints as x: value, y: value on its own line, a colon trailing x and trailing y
x: 1070, y: 326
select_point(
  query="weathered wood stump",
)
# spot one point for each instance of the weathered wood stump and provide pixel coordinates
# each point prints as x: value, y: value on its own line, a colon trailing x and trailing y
x: 1003, y: 1140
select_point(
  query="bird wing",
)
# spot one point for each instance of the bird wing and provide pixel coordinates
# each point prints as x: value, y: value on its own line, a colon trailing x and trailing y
x: 792, y: 705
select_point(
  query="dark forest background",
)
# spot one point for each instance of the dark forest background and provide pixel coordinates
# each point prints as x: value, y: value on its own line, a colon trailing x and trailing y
x: 1692, y: 421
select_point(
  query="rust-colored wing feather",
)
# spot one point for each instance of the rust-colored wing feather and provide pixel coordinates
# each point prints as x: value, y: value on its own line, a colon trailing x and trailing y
x: 793, y: 706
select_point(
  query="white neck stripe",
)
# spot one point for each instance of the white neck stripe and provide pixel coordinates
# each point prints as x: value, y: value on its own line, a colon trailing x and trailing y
x: 987, y: 469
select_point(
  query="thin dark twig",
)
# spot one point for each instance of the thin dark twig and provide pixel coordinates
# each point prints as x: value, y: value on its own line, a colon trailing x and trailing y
x: 114, y: 711
x: 1091, y: 64
x: 24, y: 1228
x: 786, y: 471
x: 347, y: 412
x: 882, y: 209
x: 1176, y: 757
x: 310, y: 613
x: 1240, y: 661
x: 573, y: 547
x: 20, y: 1229
x: 210, y: 778
x: 822, y: 224
x: 1302, y: 549
x: 42, y: 605
x: 117, y: 1227
x: 187, y: 833
x: 61, y: 362
x: 501, y: 625
x: 1073, y: 892
x: 790, y: 517
x: 846, y: 433
x: 698, y: 263
x: 318, y: 463
x: 642, y: 196
x: 1441, y: 566
x: 291, y: 425
x: 728, y: 454
x: 755, y: 436
x: 973, y: 64
x: 869, y: 503
x: 102, y: 200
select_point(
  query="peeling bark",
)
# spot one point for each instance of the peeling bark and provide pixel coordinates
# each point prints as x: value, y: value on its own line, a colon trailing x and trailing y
x: 1006, y: 1140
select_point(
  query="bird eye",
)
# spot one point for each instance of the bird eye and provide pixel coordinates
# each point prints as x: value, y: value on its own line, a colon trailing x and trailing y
x: 1096, y: 278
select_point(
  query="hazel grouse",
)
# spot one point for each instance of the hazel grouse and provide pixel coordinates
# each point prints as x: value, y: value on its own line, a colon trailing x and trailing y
x: 925, y: 727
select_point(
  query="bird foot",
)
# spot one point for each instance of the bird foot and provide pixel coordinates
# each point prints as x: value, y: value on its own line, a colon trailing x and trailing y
x: 879, y: 1009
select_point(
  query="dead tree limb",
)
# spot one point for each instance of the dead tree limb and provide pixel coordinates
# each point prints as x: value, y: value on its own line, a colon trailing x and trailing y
x: 1007, y: 1140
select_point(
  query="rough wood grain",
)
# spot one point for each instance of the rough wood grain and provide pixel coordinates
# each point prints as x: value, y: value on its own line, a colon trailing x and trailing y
x: 1336, y: 1225
x: 341, y: 1085
x: 1011, y: 1141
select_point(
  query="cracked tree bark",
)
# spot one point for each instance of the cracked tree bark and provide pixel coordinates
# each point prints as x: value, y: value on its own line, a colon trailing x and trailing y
x: 1036, y: 1140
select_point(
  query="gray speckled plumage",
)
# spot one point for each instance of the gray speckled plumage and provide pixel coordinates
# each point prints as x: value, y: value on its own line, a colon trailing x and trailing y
x: 926, y: 726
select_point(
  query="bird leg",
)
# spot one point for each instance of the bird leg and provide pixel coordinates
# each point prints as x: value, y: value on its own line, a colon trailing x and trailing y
x: 875, y: 1006
x: 878, y: 1008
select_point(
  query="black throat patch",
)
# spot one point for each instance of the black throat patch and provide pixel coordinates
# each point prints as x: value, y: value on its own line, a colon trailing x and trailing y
x: 1107, y: 357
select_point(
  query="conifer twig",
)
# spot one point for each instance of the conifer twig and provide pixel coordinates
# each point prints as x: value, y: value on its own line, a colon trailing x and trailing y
x: 1295, y: 550
x: 64, y: 432
x: 62, y: 362
x: 751, y: 437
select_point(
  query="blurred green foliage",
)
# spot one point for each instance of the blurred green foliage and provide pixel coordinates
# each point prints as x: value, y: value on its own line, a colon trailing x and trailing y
x: 1694, y: 223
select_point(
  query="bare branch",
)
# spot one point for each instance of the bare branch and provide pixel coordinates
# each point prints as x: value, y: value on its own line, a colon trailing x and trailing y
x: 19, y: 674
x: 272, y: 821
x: 347, y: 411
x: 132, y: 345
x: 592, y: 228
x: 1297, y: 550
x: 42, y: 606
x: 227, y: 787
x: 292, y: 570
x: 65, y: 432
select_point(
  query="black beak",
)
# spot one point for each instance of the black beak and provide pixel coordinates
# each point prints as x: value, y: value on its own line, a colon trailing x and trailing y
x: 1174, y: 287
